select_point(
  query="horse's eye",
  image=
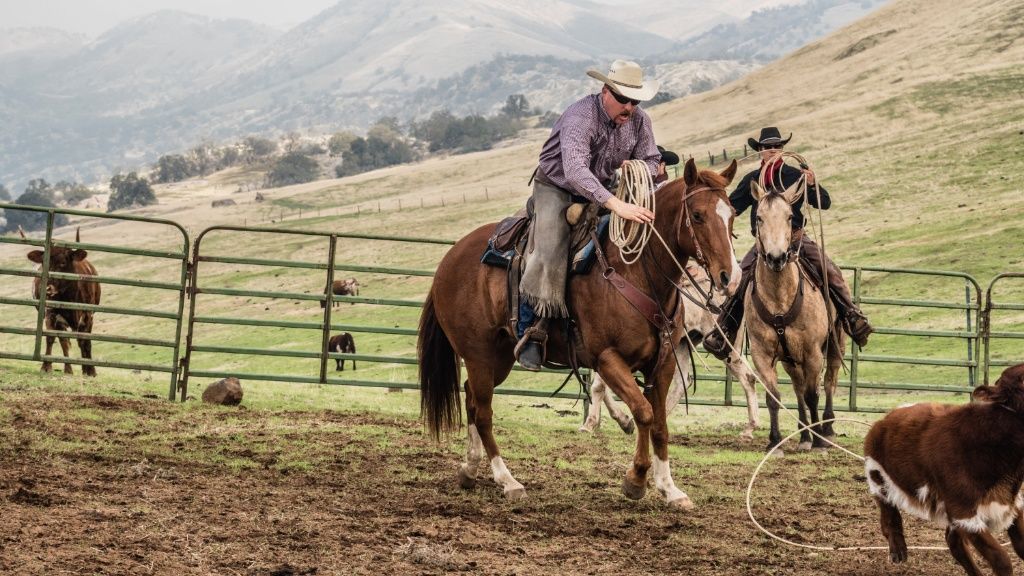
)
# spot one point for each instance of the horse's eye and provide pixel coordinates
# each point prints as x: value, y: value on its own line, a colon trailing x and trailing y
x: 698, y: 217
x: 759, y: 220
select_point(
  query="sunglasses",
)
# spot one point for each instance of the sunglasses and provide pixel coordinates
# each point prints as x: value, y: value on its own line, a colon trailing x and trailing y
x: 771, y: 147
x: 623, y: 100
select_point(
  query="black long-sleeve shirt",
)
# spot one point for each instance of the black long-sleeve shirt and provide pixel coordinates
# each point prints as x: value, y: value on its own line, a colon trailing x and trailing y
x: 741, y: 199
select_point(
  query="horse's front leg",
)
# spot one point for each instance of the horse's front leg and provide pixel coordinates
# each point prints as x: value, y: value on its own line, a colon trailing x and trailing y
x: 746, y: 379
x: 832, y: 363
x: 682, y: 376
x: 598, y: 395
x: 619, y: 378
x: 659, y: 439
x: 764, y: 363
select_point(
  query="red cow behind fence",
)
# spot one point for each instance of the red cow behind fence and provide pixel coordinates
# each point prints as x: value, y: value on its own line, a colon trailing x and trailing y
x: 960, y: 466
x: 58, y: 291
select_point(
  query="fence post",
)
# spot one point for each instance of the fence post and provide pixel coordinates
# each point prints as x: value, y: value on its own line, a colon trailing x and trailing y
x: 711, y: 159
x: 745, y: 153
x: 854, y: 349
x: 970, y: 341
x: 725, y: 155
x: 486, y: 194
x: 399, y: 204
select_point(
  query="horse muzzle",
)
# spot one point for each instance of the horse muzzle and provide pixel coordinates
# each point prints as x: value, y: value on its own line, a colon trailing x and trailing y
x: 776, y: 262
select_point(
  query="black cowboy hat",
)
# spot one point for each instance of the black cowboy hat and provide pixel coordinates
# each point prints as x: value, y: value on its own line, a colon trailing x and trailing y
x: 769, y: 135
x: 669, y: 157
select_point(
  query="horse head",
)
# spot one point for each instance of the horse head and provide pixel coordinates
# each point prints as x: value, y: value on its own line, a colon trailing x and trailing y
x: 774, y: 224
x: 704, y: 224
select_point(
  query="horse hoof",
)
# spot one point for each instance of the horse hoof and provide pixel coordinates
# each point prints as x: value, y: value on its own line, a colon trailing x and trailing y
x: 632, y: 491
x: 69, y: 371
x: 46, y: 368
x: 630, y: 427
x: 89, y: 371
x: 587, y: 429
x: 821, y: 449
x: 683, y: 503
x: 804, y: 446
x: 515, y: 494
x: 466, y: 481
x: 747, y: 435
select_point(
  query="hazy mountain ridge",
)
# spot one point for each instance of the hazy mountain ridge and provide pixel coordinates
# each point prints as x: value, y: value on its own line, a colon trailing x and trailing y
x: 168, y: 80
x: 772, y: 32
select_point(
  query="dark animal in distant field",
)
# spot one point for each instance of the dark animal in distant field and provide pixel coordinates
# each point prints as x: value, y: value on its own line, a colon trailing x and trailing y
x: 960, y: 466
x: 342, y: 344
x: 222, y: 203
x: 346, y: 287
x: 68, y: 261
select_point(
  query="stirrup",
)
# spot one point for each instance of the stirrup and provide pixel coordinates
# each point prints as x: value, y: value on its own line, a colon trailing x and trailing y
x: 717, y: 345
x: 530, y: 350
x: 859, y: 329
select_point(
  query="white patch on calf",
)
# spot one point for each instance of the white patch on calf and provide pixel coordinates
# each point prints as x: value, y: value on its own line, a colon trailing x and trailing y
x: 893, y: 494
x: 995, y: 517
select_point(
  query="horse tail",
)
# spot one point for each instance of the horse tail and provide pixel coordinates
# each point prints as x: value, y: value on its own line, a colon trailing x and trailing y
x: 440, y: 406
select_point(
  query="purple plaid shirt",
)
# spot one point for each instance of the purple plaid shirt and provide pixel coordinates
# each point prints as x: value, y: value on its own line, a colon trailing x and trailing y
x: 586, y: 147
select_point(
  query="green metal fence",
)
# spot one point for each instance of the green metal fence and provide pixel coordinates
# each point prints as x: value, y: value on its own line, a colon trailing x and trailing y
x: 1000, y: 326
x: 931, y: 344
x: 326, y: 325
x: 944, y: 332
x: 178, y: 258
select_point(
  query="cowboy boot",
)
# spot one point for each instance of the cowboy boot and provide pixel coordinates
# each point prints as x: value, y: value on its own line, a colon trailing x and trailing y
x: 530, y: 349
x: 857, y: 326
x: 729, y: 321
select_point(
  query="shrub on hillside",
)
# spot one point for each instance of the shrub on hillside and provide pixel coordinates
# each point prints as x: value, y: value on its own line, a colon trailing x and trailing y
x: 294, y: 168
x: 373, y: 152
x: 72, y: 193
x: 31, y: 220
x: 129, y: 191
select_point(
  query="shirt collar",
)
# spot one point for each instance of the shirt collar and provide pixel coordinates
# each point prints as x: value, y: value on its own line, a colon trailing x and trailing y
x: 606, y: 120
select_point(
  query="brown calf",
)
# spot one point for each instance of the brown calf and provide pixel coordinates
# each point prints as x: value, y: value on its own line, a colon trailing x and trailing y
x: 960, y: 466
x: 60, y: 291
x: 346, y: 287
x: 342, y: 344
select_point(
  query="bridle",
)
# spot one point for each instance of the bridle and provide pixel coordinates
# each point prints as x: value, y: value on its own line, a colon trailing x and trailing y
x: 699, y: 252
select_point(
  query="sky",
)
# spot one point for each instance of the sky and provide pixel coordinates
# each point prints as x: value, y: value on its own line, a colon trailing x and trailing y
x: 93, y: 17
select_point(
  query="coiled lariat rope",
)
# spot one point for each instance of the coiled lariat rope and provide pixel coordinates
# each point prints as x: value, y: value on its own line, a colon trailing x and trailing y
x: 635, y: 187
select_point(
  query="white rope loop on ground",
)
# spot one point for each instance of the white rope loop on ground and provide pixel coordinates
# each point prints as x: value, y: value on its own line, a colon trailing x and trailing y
x: 635, y: 187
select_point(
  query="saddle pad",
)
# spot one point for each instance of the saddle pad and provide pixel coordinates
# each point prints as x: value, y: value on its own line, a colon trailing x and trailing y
x: 581, y: 262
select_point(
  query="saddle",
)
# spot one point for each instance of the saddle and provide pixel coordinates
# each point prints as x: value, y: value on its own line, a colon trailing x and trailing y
x: 509, y: 238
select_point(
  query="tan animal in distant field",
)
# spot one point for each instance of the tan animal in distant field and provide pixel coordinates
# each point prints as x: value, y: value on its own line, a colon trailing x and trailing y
x: 346, y: 287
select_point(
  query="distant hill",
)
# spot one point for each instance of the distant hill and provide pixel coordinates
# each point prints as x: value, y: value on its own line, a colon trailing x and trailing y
x: 166, y: 81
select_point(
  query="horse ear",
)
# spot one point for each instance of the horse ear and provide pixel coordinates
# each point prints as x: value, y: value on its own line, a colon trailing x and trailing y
x: 729, y: 173
x: 690, y: 173
x: 756, y: 191
x: 36, y: 256
x: 793, y: 193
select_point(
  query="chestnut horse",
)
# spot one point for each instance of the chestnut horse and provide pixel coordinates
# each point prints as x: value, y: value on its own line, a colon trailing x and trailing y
x: 466, y: 316
x: 793, y: 322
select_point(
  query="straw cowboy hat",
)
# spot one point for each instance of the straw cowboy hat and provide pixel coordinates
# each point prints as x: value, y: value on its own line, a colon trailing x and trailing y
x: 627, y: 78
x: 769, y: 135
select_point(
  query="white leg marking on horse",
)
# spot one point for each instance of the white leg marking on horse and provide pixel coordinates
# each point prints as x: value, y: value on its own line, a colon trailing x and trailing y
x: 679, y: 383
x: 664, y: 484
x: 503, y: 477
x: 593, y: 421
x: 724, y: 210
x: 474, y: 452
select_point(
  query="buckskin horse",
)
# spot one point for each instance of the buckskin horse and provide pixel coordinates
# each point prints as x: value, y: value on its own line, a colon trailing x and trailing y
x: 787, y: 319
x: 466, y: 315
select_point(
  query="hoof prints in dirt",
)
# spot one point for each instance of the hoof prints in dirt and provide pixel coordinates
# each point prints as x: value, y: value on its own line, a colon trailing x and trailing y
x: 30, y: 498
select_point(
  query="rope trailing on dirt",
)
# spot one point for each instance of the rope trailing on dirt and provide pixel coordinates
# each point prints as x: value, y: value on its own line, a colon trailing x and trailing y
x: 635, y: 187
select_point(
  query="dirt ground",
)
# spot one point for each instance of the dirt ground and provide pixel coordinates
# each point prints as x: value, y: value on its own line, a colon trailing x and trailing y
x: 109, y: 485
